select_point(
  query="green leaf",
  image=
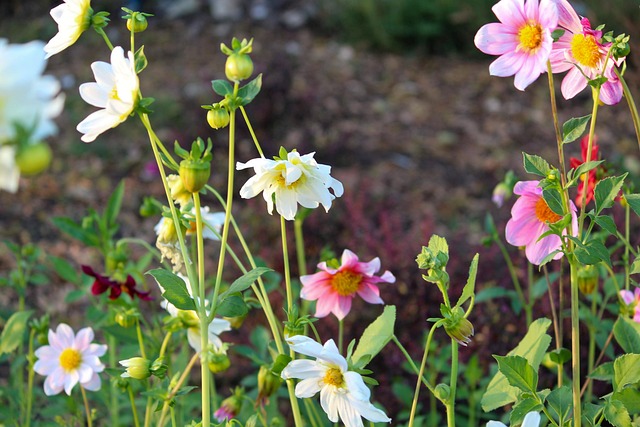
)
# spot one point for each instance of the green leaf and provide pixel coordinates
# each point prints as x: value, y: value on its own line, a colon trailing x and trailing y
x: 560, y: 403
x: 67, y: 225
x: 469, y: 289
x: 560, y: 356
x: 627, y: 334
x: 606, y: 191
x: 522, y: 408
x: 175, y: 290
x: 635, y: 266
x: 114, y: 204
x: 573, y: 128
x: 554, y: 200
x: 536, y: 165
x: 279, y: 364
x: 244, y: 282
x: 65, y: 270
x: 590, y: 414
x: 518, y: 372
x: 250, y: 90
x: 140, y: 60
x: 630, y: 398
x: 592, y: 253
x: 222, y: 87
x: 75, y: 295
x: 603, y: 372
x: 576, y: 173
x: 617, y: 414
x: 488, y: 294
x: 607, y: 224
x: 532, y: 347
x: 626, y: 370
x: 13, y: 332
x: 232, y: 306
x: 375, y: 337
x: 634, y: 202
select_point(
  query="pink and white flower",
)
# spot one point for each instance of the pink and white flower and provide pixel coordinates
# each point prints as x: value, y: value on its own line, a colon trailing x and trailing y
x: 522, y: 38
x: 632, y: 300
x: 343, y: 393
x: 334, y: 289
x: 580, y: 51
x: 70, y: 359
x: 530, y: 219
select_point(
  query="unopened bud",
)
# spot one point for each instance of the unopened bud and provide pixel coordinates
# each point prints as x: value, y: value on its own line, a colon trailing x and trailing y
x: 218, y: 362
x: 178, y: 192
x: 237, y: 321
x: 137, y: 367
x: 137, y: 23
x: 442, y: 392
x: 218, y: 118
x: 126, y: 318
x: 268, y: 384
x: 459, y: 328
x: 158, y: 368
x: 33, y: 158
x: 194, y: 174
x: 238, y: 67
x: 230, y: 406
x: 588, y: 276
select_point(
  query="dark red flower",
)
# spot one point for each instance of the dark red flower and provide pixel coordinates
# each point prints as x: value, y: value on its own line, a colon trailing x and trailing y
x: 591, y: 178
x: 103, y: 284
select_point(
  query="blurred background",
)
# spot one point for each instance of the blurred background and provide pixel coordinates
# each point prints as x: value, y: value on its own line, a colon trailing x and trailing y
x: 391, y: 93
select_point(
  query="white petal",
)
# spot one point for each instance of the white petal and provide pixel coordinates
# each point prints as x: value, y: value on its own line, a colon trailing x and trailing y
x: 304, y: 345
x: 307, y: 388
x: 304, y: 369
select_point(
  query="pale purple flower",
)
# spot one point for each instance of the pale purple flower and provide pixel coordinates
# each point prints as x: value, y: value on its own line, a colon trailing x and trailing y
x: 580, y: 51
x: 522, y: 38
x: 632, y: 299
x: 70, y: 359
x: 530, y: 218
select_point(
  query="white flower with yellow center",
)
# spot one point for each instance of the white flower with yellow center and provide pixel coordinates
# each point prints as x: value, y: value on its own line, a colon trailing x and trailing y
x: 70, y: 359
x: 343, y: 394
x: 296, y: 180
x: 73, y: 18
x: 115, y: 91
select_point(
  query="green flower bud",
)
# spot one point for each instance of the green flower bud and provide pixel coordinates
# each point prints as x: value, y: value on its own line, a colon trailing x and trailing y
x: 238, y: 67
x: 457, y: 327
x: 194, y: 174
x: 126, y: 318
x: 218, y: 118
x: 442, y: 392
x: 32, y: 159
x: 268, y: 385
x: 158, y: 368
x: 137, y: 23
x: 218, y: 362
x: 137, y: 367
x: 252, y: 421
x: 588, y: 276
x: 291, y: 329
x: 189, y: 318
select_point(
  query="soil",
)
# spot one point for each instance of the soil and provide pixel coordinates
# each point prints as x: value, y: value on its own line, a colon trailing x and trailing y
x: 418, y: 142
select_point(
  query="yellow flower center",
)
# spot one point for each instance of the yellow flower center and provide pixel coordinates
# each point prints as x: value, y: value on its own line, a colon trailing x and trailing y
x: 544, y: 212
x: 282, y: 182
x: 334, y: 376
x: 530, y: 37
x: 585, y: 50
x: 346, y: 282
x: 70, y: 359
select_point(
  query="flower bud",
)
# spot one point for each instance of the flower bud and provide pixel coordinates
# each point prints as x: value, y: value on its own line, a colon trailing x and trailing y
x: 33, y: 158
x: 137, y: 367
x: 194, y: 174
x: 178, y: 192
x: 252, y: 421
x: 268, y: 384
x: 442, y: 392
x: 291, y: 329
x: 218, y: 118
x: 230, y: 407
x: 137, y: 23
x: 458, y: 328
x: 218, y: 361
x: 189, y: 318
x: 500, y: 193
x: 588, y: 276
x: 167, y: 233
x: 238, y: 67
x: 126, y: 318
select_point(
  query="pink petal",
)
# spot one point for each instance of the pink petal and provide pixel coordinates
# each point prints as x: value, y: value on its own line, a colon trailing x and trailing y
x: 326, y: 305
x: 343, y: 307
x: 573, y: 83
x: 496, y: 39
x: 83, y: 339
x: 611, y: 92
x: 539, y: 250
x: 370, y: 294
x: 627, y: 297
x: 524, y: 231
x: 548, y: 14
x: 93, y: 384
x: 528, y: 72
x: 507, y: 65
x: 510, y: 12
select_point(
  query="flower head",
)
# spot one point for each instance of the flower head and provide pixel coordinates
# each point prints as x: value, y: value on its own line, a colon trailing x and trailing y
x: 103, y: 284
x: 581, y: 52
x: 591, y: 176
x: 190, y: 321
x: 70, y: 359
x: 522, y: 38
x: 294, y: 180
x: 115, y: 91
x: 73, y: 18
x: 343, y: 393
x: 230, y: 406
x: 632, y: 300
x: 530, y: 218
x: 335, y: 288
x: 532, y: 419
x: 137, y: 368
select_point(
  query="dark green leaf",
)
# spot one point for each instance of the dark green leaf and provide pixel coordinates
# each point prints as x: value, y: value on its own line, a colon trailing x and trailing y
x: 469, y: 289
x: 634, y: 202
x: 375, y: 337
x: 606, y: 191
x: 175, y: 289
x: 76, y: 231
x: 140, y: 60
x: 627, y: 335
x: 560, y: 356
x: 279, y: 364
x: 603, y: 372
x: 536, y: 165
x: 592, y: 253
x: 522, y: 408
x: 250, y: 90
x: 245, y: 281
x: 573, y: 128
x: 607, y: 224
x: 65, y: 270
x: 518, y: 372
x: 575, y: 174
x: 554, y: 200
x: 560, y: 403
x: 114, y: 204
x: 232, y: 306
x: 222, y: 87
x: 13, y: 332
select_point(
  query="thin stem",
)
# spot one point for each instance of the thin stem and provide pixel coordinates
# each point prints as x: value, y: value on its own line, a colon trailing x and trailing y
x: 183, y: 377
x: 165, y: 343
x: 302, y: 262
x: 285, y: 255
x: 556, y: 328
x: 136, y: 422
x: 416, y: 393
x: 556, y: 124
x: 140, y: 339
x: 104, y: 37
x: 512, y: 272
x: 451, y: 400
x: 592, y: 348
x: 340, y: 334
x: 528, y: 308
x: 86, y: 406
x: 575, y: 344
x: 411, y: 362
x: 627, y: 278
x: 592, y: 130
x: 31, y: 359
x: 600, y: 357
x: 114, y: 406
x: 632, y: 105
x: 253, y: 134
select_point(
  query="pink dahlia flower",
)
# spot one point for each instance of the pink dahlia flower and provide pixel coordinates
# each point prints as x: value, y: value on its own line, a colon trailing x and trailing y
x: 335, y: 288
x: 522, y: 38
x: 581, y: 52
x: 632, y: 299
x: 530, y: 218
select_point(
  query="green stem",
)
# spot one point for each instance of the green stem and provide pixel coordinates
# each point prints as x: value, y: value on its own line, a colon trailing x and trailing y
x: 31, y: 359
x: 451, y: 400
x: 632, y: 105
x: 626, y: 247
x: 556, y: 125
x: 416, y: 393
x: 302, y: 262
x: 86, y: 406
x: 140, y: 339
x: 512, y: 273
x: 592, y: 130
x: 253, y: 134
x: 340, y: 334
x: 411, y: 362
x: 183, y: 377
x: 134, y: 411
x: 104, y: 37
x: 285, y: 255
x: 528, y: 308
x: 556, y: 328
x: 114, y: 406
x: 592, y: 347
x: 575, y: 344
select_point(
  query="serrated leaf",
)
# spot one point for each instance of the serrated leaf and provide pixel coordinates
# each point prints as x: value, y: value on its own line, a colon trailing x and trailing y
x: 634, y: 202
x: 554, y: 200
x: 606, y: 191
x: 469, y: 288
x: 375, y: 337
x: 232, y: 306
x: 607, y: 224
x: 573, y: 128
x: 560, y: 403
x: 536, y: 165
x: 576, y: 173
x: 635, y: 266
x: 175, y: 289
x: 244, y: 282
x: 626, y: 370
x: 532, y: 347
x: 593, y: 253
x: 518, y: 372
x: 222, y: 87
x: 249, y: 91
x: 617, y: 414
x: 13, y: 332
x: 630, y: 398
x: 627, y: 335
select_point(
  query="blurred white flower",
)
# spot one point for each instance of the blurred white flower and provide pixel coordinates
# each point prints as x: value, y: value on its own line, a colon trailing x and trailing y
x: 73, y: 18
x: 9, y: 171
x: 70, y: 359
x: 296, y: 180
x: 532, y: 419
x: 115, y: 91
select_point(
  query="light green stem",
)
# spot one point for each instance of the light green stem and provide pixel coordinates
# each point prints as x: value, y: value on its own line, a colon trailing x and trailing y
x: 104, y: 37
x: 114, y: 406
x: 632, y: 105
x: 287, y: 273
x: 451, y: 400
x: 253, y: 134
x: 134, y: 411
x: 412, y: 363
x: 86, y: 406
x: 340, y: 334
x: 575, y: 344
x: 592, y: 347
x: 176, y: 388
x: 140, y: 339
x: 416, y: 393
x: 31, y: 359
